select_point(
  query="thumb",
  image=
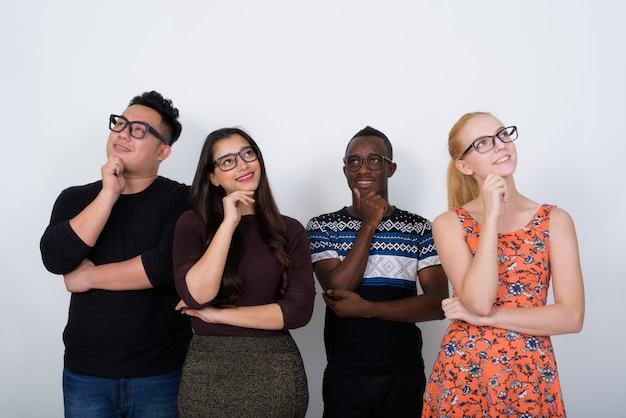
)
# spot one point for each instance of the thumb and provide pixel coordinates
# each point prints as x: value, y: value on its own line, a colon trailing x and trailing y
x: 188, y: 312
x: 338, y: 293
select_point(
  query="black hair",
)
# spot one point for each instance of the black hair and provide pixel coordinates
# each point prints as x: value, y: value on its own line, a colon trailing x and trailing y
x: 369, y: 131
x: 165, y: 108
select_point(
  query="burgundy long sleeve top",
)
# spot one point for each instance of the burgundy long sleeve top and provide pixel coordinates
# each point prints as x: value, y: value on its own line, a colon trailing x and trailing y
x: 260, y: 272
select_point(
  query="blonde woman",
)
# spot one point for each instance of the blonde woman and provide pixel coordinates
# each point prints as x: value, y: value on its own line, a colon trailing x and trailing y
x: 500, y: 251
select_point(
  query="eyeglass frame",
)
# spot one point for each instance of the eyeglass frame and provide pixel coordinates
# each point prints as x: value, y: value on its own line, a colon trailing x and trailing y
x: 493, y: 140
x: 129, y: 124
x: 365, y: 158
x: 237, y: 154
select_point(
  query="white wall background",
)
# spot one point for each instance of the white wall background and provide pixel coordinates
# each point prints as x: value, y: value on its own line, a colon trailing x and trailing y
x: 302, y: 77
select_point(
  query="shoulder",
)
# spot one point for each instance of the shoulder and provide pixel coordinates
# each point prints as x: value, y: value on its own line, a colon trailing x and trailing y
x: 296, y: 233
x: 292, y: 223
x: 447, y: 216
x: 341, y: 213
x: 164, y: 189
x: 446, y: 220
x: 404, y: 222
x: 86, y: 191
x: 401, y: 214
x: 326, y: 218
x: 559, y: 217
x: 85, y: 188
x: 168, y: 184
x: 191, y: 218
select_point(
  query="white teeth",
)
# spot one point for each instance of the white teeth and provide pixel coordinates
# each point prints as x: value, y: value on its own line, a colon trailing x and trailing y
x: 500, y: 160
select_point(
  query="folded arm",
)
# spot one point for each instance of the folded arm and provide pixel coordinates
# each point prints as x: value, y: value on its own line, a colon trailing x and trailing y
x: 474, y: 277
x: 565, y: 315
x: 424, y: 307
x: 294, y: 309
x: 267, y: 317
x: 124, y: 275
x: 347, y: 274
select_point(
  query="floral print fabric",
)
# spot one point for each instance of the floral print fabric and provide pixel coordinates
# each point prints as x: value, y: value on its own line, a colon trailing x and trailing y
x: 492, y: 372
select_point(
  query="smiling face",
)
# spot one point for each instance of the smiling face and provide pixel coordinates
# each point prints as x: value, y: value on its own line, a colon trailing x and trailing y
x: 365, y: 179
x: 245, y: 176
x: 501, y: 160
x: 140, y: 156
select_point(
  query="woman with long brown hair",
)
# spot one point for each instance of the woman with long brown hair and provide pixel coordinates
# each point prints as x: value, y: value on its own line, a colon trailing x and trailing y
x: 244, y: 275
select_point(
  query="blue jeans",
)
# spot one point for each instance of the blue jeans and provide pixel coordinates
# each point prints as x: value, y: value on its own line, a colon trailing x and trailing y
x: 140, y: 397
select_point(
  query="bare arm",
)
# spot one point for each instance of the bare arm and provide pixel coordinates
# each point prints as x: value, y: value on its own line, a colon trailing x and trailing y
x: 87, y: 276
x: 474, y: 277
x: 425, y: 307
x: 267, y: 317
x: 88, y: 224
x: 565, y: 315
x: 204, y: 277
x: 348, y: 274
x: 292, y: 310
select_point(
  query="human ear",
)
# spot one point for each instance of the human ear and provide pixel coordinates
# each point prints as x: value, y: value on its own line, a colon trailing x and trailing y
x: 213, y: 179
x: 463, y: 167
x: 392, y: 169
x: 164, y: 152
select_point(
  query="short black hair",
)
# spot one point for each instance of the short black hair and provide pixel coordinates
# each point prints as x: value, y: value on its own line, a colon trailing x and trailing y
x: 164, y: 107
x: 369, y: 131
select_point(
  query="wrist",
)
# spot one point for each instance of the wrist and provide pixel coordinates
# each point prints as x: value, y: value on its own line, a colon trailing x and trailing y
x: 369, y: 309
x: 218, y: 315
x: 368, y: 227
x: 108, y: 196
x: 487, y: 320
x: 88, y: 278
x: 229, y: 224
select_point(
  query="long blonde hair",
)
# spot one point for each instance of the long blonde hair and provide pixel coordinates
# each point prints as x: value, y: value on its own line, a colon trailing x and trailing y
x: 461, y: 187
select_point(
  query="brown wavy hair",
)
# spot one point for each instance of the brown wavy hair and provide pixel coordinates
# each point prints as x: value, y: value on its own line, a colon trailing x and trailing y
x: 206, y: 199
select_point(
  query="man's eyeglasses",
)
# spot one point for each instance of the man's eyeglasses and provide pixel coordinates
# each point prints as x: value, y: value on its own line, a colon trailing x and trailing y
x: 229, y: 161
x: 137, y: 129
x: 373, y: 161
x: 488, y: 142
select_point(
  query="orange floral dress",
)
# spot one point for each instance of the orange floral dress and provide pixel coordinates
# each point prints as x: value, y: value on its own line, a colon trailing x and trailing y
x: 492, y: 372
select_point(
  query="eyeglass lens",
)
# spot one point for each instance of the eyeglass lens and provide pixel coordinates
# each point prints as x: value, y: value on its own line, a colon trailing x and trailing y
x: 229, y: 161
x: 373, y: 161
x: 487, y: 143
x: 137, y: 129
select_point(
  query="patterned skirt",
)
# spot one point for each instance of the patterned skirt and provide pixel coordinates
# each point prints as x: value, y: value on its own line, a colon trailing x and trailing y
x: 243, y: 377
